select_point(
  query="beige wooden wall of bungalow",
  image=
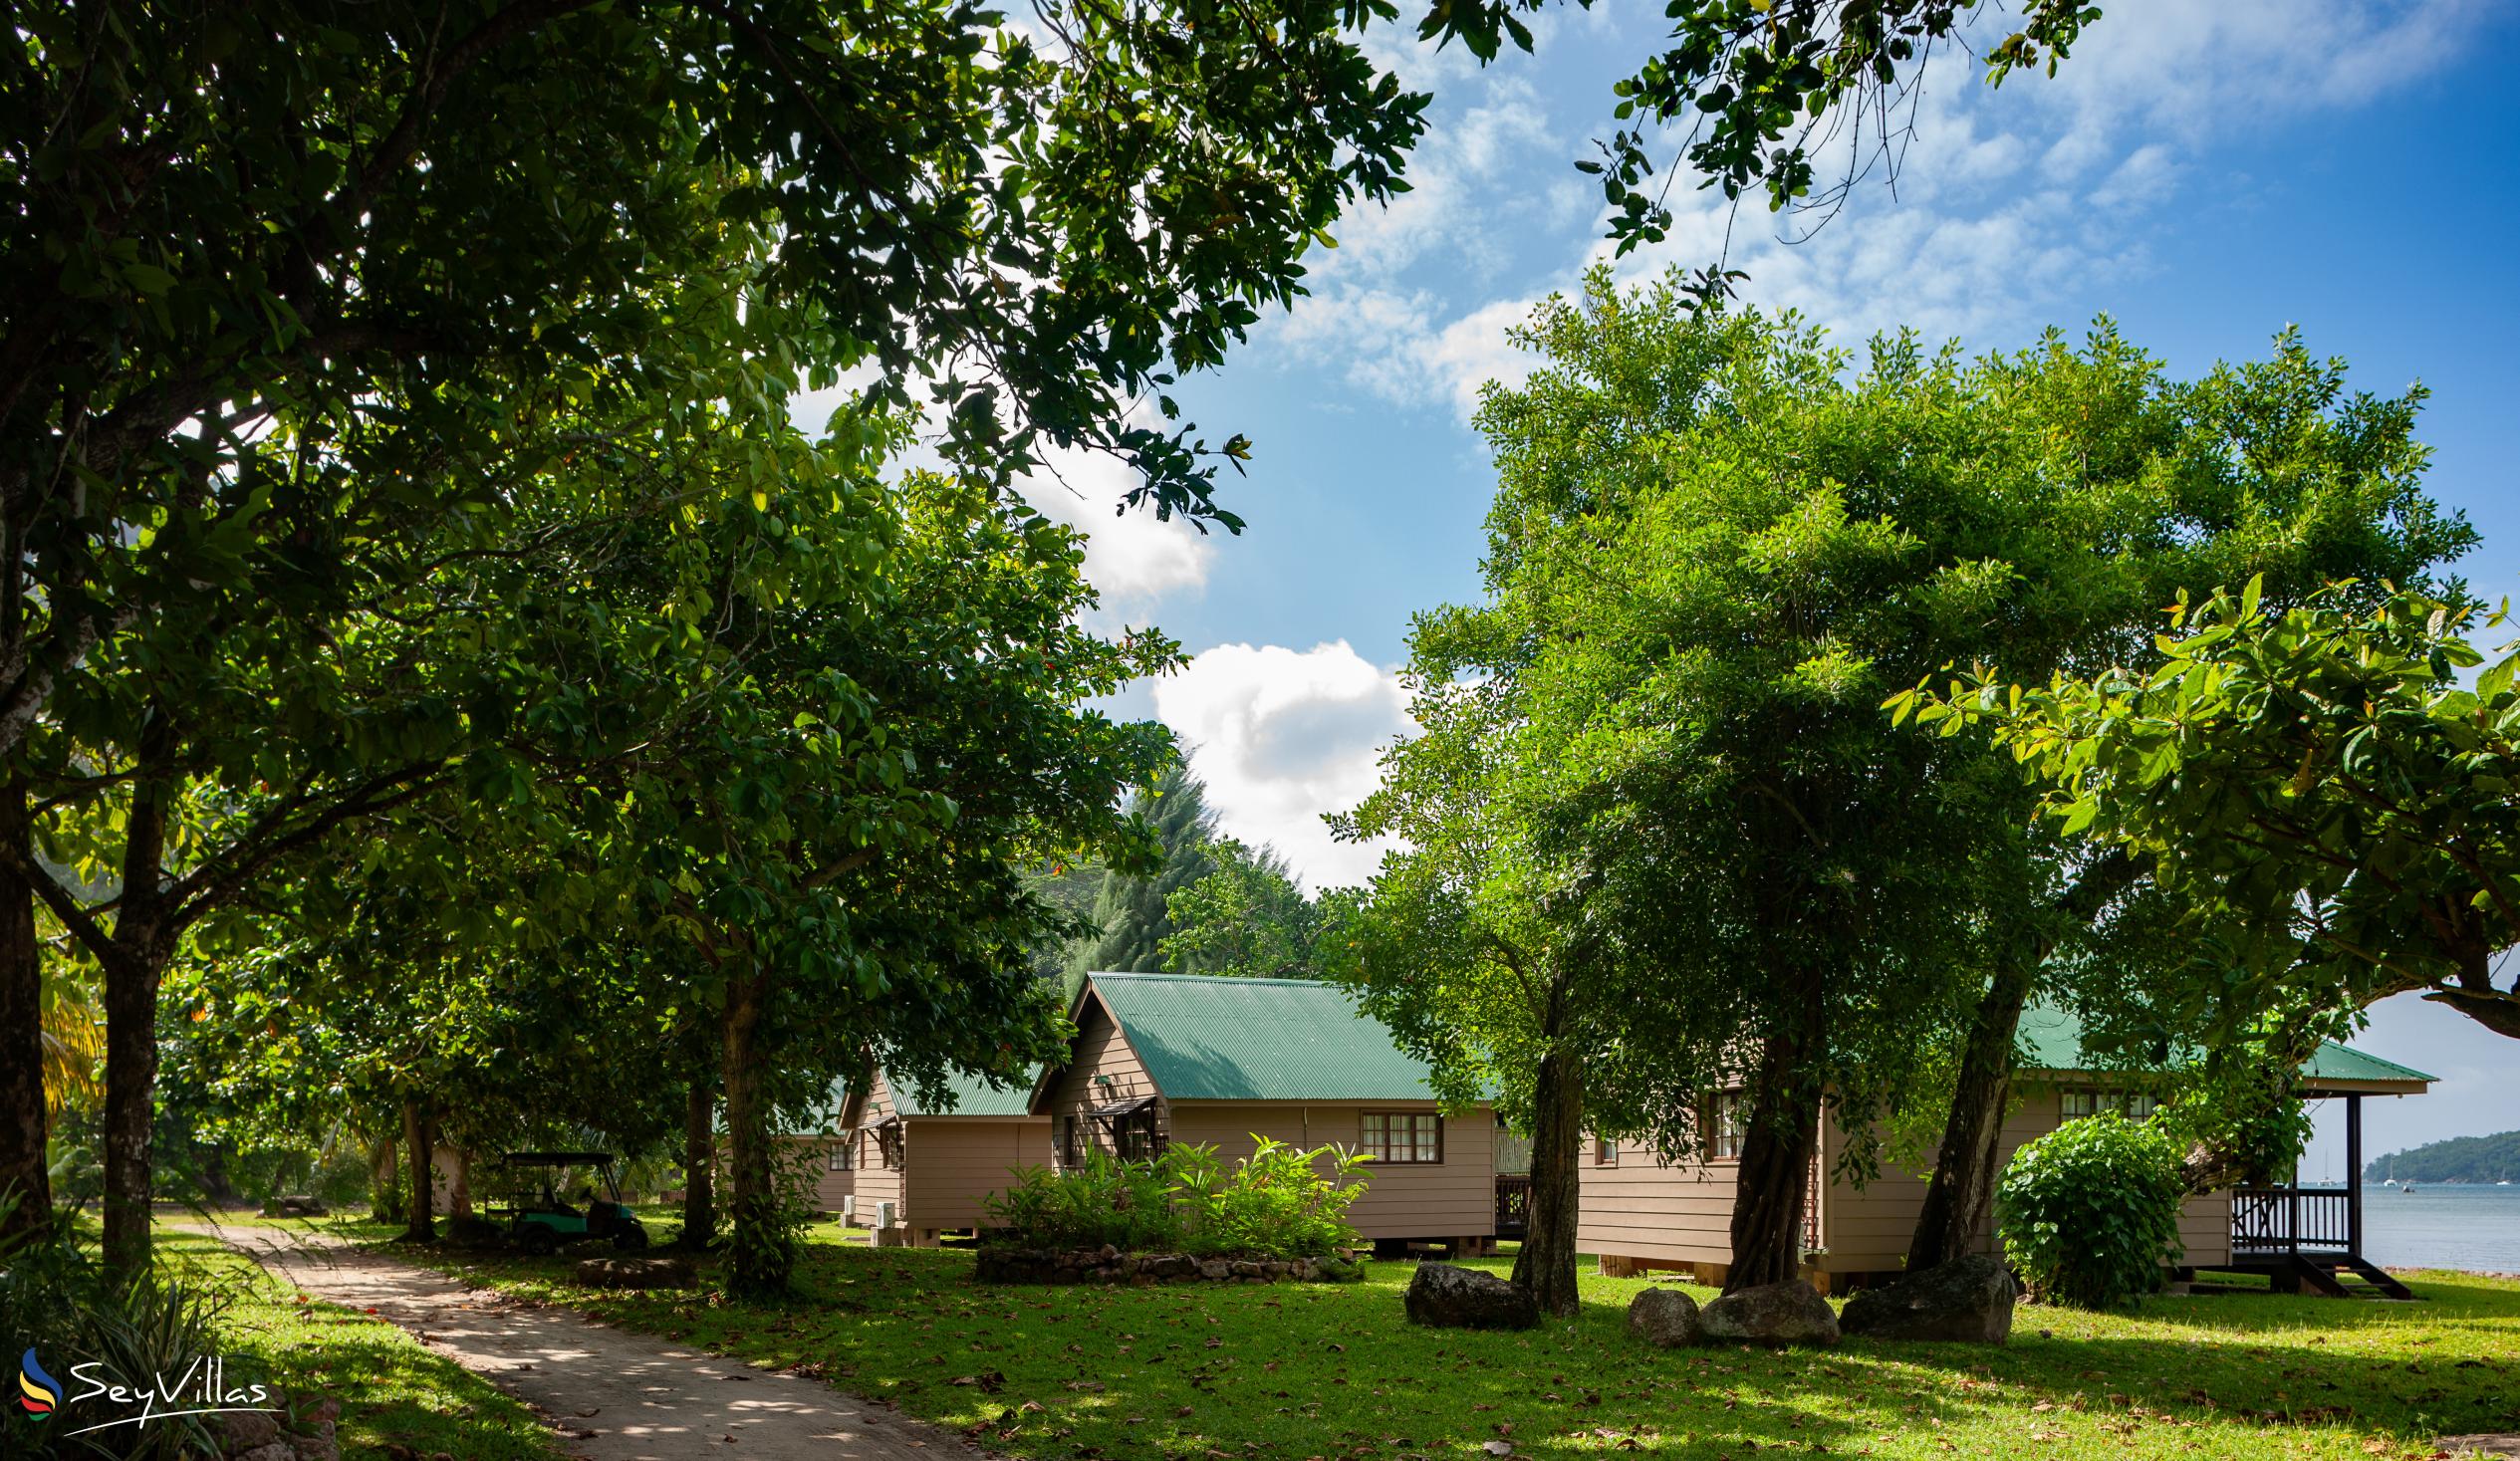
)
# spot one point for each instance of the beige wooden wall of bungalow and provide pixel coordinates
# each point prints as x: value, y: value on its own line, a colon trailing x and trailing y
x: 937, y: 1166
x: 1164, y: 1057
x: 1636, y: 1213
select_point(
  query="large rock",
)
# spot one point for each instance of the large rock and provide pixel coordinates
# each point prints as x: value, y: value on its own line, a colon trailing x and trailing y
x: 1791, y: 1312
x: 1445, y: 1297
x: 637, y: 1273
x: 1969, y: 1298
x: 1665, y: 1318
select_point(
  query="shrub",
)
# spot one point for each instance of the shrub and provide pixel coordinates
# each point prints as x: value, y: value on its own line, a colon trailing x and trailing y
x: 1276, y: 1203
x: 1126, y: 1204
x: 2090, y: 1212
x: 56, y: 1302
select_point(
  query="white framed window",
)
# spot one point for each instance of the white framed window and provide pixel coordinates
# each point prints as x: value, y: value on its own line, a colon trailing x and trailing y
x: 1727, y: 1124
x: 2137, y: 1104
x: 1400, y: 1137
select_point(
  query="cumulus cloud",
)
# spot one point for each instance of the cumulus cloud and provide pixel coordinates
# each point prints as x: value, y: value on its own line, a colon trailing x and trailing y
x: 1282, y: 736
x: 1131, y: 557
x: 2008, y: 199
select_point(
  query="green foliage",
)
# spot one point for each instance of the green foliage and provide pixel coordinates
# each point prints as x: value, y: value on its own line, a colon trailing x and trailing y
x: 1126, y: 1204
x: 403, y: 429
x: 2089, y: 1213
x: 1279, y: 1202
x: 1658, y: 819
x: 2333, y: 810
x: 1248, y: 917
x: 1132, y: 912
x: 2494, y: 1158
x: 56, y: 1299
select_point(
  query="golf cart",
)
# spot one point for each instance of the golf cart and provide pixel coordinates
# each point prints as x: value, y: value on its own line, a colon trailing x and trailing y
x: 539, y: 1219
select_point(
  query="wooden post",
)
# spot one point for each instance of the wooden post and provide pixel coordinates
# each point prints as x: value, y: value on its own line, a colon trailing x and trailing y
x: 2353, y: 1174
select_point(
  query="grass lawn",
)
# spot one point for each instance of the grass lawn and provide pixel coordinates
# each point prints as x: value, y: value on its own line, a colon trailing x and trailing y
x: 394, y: 1389
x: 1326, y: 1371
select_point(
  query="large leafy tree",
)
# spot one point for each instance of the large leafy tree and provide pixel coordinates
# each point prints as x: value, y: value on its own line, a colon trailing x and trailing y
x: 1672, y: 834
x: 296, y: 288
x: 2333, y: 812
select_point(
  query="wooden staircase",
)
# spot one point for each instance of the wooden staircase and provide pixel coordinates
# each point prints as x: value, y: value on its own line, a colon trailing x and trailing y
x: 2339, y: 1276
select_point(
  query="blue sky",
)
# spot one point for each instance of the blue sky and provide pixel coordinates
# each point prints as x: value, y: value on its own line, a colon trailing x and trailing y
x: 2206, y: 174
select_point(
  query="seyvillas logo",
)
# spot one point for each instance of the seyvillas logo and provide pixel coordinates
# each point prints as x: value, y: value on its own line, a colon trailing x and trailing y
x: 39, y: 1392
x: 200, y: 1388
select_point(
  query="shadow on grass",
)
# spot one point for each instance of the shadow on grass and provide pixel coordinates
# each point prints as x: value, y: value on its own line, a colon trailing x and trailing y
x: 1303, y: 1370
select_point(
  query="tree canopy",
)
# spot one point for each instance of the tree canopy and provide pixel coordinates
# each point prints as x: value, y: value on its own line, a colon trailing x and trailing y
x: 323, y: 338
x: 1663, y: 843
x: 2333, y: 812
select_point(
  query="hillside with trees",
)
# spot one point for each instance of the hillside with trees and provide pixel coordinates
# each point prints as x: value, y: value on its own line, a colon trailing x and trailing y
x: 2494, y: 1158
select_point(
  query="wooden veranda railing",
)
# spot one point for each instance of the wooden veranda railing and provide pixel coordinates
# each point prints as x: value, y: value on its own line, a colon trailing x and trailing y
x: 2270, y: 1220
x: 1513, y: 1206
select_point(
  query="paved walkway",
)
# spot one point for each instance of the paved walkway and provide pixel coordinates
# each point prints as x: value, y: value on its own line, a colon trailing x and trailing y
x: 621, y: 1396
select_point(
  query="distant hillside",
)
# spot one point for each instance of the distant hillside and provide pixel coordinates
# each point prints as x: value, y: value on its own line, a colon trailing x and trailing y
x: 2461, y: 1160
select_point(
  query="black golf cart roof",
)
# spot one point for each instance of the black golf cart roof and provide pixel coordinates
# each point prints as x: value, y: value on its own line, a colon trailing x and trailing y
x: 556, y: 1158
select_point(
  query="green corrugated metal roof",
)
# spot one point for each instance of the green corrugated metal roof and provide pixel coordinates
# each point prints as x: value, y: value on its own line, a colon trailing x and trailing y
x: 973, y: 1097
x: 1217, y: 1038
x: 2051, y: 1040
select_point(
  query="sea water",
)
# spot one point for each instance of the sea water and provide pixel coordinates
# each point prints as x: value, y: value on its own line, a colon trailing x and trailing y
x: 2461, y: 1225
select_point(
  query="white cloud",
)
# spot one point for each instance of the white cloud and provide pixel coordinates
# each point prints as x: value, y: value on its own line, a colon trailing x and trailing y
x: 1131, y: 557
x: 1282, y: 736
x: 2009, y: 199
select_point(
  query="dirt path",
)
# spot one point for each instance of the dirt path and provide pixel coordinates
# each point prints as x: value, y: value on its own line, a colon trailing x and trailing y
x: 623, y: 1397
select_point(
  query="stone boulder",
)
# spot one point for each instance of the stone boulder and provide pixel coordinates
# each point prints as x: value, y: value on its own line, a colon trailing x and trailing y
x: 1969, y: 1298
x: 1664, y: 1317
x: 637, y: 1273
x: 1791, y: 1312
x: 1444, y: 1296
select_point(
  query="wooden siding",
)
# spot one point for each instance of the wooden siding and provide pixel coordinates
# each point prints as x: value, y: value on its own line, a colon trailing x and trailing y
x: 1100, y: 1050
x: 874, y: 1181
x: 1453, y: 1198
x: 1641, y: 1209
x: 957, y: 1161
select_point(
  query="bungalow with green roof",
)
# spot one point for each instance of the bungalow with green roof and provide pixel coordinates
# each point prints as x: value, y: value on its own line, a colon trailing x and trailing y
x: 935, y: 1164
x: 1220, y: 1061
x: 1636, y: 1213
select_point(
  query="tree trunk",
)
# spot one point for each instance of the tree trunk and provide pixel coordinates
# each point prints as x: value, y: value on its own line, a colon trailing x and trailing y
x: 1962, y: 1188
x: 760, y: 1258
x: 1774, y: 1177
x: 384, y: 1182
x: 133, y: 961
x: 459, y: 1191
x: 26, y: 1194
x: 131, y: 1091
x: 1546, y: 1265
x: 699, y: 1167
x: 420, y: 1150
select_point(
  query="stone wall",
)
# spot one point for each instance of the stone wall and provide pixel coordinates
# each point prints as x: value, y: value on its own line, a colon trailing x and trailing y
x: 1108, y: 1265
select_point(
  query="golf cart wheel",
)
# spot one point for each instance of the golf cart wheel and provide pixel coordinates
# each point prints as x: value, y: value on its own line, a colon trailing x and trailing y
x: 538, y: 1240
x: 630, y: 1239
